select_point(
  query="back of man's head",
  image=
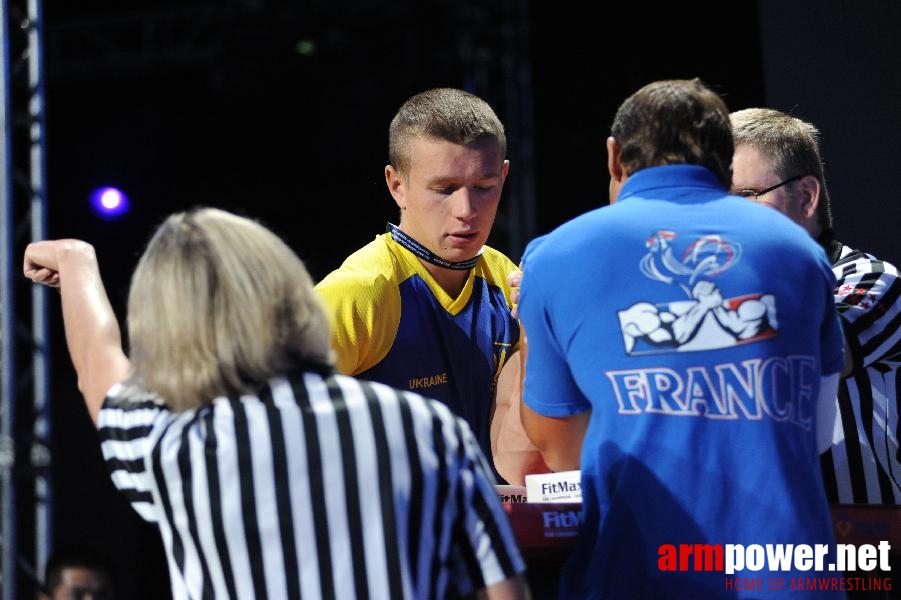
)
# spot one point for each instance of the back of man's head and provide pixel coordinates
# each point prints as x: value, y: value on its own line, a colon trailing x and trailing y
x: 675, y: 121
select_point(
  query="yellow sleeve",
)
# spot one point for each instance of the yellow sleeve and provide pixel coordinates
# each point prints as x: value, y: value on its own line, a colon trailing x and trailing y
x: 364, y: 310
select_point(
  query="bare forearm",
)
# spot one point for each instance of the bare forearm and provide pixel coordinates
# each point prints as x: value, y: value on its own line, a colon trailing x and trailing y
x: 514, y: 455
x: 558, y: 439
x: 92, y: 331
x: 514, y: 588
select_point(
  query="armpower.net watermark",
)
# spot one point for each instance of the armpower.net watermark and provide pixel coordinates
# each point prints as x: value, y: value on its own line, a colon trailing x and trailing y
x: 829, y: 570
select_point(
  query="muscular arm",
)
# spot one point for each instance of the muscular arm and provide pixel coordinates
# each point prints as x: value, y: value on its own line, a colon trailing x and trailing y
x: 92, y: 331
x: 514, y: 455
x: 559, y: 439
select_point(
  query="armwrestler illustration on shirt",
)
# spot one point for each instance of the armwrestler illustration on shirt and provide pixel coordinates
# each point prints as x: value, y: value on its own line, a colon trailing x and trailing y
x: 707, y: 320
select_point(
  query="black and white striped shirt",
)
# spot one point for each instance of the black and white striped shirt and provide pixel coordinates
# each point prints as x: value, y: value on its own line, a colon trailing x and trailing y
x: 863, y: 465
x: 319, y: 486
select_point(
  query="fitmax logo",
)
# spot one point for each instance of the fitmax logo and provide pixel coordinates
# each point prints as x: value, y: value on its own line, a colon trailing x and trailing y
x: 557, y: 519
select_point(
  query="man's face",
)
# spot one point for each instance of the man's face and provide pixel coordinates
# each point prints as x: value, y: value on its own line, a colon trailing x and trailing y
x: 449, y: 197
x: 79, y: 583
x: 751, y: 170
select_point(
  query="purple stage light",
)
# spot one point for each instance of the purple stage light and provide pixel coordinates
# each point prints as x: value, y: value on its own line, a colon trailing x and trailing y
x: 109, y: 202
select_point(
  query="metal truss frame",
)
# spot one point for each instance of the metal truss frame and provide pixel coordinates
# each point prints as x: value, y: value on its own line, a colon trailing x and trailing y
x: 25, y: 483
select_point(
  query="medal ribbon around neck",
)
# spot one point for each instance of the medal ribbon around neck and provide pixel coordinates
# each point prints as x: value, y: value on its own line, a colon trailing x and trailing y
x: 425, y: 254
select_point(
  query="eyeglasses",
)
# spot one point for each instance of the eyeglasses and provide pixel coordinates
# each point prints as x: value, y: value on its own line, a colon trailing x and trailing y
x: 755, y: 195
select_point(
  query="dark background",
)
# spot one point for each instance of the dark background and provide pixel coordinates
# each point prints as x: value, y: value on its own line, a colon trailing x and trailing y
x: 239, y: 119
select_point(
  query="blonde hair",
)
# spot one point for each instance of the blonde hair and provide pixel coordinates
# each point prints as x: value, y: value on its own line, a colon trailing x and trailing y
x: 217, y: 305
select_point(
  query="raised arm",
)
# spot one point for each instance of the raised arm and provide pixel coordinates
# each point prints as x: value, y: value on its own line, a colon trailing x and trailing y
x: 92, y: 331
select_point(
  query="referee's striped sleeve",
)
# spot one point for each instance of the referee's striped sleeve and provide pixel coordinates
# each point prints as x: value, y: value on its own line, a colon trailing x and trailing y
x: 125, y: 426
x: 862, y: 466
x: 472, y: 519
x: 487, y: 521
x: 868, y: 298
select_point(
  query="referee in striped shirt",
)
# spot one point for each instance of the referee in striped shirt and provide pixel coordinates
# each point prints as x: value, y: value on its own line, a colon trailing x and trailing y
x: 268, y: 474
x: 777, y: 162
